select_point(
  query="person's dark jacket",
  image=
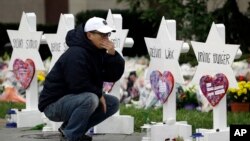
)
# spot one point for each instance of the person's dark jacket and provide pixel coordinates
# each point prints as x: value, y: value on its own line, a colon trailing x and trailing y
x: 82, y: 68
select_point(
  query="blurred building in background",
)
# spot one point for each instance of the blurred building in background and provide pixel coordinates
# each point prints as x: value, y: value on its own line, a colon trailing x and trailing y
x: 48, y: 11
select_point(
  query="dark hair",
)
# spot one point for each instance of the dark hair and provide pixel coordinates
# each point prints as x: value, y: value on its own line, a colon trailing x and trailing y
x: 132, y: 73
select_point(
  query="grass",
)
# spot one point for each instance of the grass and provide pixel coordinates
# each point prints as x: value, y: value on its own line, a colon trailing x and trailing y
x: 5, y: 106
x: 195, y: 118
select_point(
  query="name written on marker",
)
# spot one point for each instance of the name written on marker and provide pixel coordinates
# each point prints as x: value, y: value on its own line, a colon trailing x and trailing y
x: 31, y: 44
x: 28, y: 44
x: 156, y: 53
x: 17, y: 43
x: 169, y: 54
x: 214, y: 58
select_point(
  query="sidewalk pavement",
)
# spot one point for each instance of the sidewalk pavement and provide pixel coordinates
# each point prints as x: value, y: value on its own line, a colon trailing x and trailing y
x: 25, y: 134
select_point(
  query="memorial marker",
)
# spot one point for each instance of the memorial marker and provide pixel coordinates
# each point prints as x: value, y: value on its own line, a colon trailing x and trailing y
x: 58, y: 46
x: 25, y: 43
x: 214, y: 63
x: 56, y: 42
x: 124, y: 124
x: 164, y: 72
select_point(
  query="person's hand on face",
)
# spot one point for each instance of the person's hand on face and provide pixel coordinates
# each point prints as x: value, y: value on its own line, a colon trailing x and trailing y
x: 108, y: 45
x: 101, y: 40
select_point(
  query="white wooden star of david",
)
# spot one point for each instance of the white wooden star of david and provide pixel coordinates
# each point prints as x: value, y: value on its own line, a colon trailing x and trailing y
x: 25, y: 43
x: 57, y: 42
x: 164, y: 52
x: 118, y: 37
x: 214, y: 57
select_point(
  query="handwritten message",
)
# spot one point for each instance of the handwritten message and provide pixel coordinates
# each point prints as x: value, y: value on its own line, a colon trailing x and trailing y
x: 27, y: 44
x: 214, y: 58
x: 169, y: 54
x: 57, y: 47
x: 156, y: 53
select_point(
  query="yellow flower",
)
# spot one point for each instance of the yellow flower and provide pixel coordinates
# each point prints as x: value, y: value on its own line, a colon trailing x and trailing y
x: 40, y: 76
x: 247, y: 85
x: 244, y: 91
x: 242, y: 83
x: 240, y: 87
x: 240, y: 94
x: 232, y: 90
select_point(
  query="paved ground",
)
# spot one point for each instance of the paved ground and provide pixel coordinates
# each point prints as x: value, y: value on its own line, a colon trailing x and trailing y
x: 24, y: 134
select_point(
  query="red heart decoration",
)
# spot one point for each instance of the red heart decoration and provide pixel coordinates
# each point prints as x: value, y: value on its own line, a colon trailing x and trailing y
x: 214, y: 88
x: 162, y: 84
x: 24, y: 71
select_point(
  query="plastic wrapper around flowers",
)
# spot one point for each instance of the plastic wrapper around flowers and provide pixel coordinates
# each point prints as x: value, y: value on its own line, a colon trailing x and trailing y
x: 23, y: 72
x: 12, y: 90
x: 188, y: 97
x: 10, y: 94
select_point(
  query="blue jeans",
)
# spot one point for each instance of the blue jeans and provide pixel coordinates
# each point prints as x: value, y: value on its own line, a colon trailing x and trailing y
x: 80, y: 112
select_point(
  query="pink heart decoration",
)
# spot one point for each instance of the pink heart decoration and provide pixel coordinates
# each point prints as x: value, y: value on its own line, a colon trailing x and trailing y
x: 162, y: 84
x: 24, y: 71
x: 214, y: 88
x: 107, y: 86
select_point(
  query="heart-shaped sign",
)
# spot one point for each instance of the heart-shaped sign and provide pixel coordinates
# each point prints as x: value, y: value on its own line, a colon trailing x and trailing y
x: 24, y: 71
x: 162, y: 84
x: 107, y: 86
x: 214, y: 88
